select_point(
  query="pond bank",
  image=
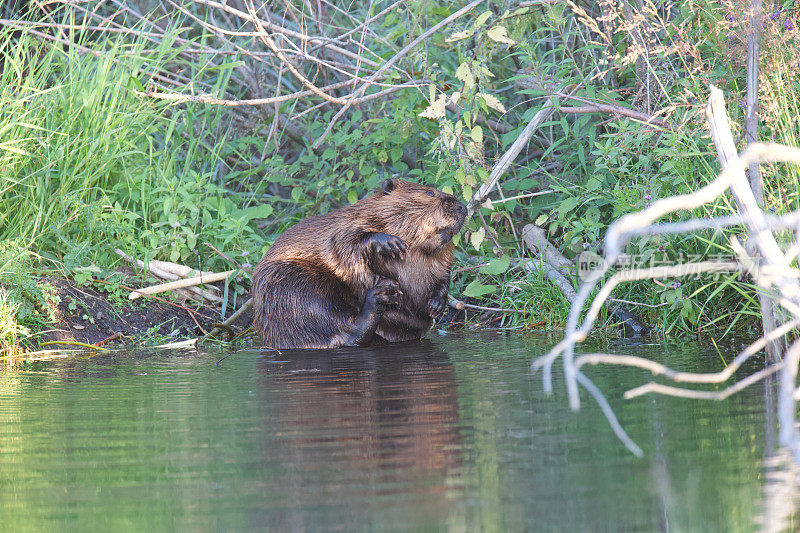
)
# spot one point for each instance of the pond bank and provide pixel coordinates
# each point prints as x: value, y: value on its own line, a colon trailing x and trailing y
x: 87, y: 314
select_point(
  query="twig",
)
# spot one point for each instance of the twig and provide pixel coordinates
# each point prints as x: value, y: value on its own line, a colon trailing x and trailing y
x: 488, y: 203
x: 73, y: 343
x: 231, y: 319
x: 459, y: 305
x: 609, y: 413
x: 180, y: 284
x: 699, y: 394
x: 113, y: 337
x: 213, y: 100
x: 617, y: 110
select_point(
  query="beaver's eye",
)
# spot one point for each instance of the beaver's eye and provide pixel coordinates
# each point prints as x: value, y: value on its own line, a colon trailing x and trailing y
x: 430, y: 193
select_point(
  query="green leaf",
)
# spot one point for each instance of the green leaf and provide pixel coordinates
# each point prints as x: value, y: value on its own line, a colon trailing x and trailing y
x: 499, y: 34
x: 477, y: 134
x: 476, y: 289
x: 568, y: 205
x: 352, y: 196
x: 497, y: 266
x: 541, y: 219
x: 464, y: 74
x: 477, y: 238
x: 592, y: 184
x: 256, y: 211
x: 493, y: 102
x: 481, y: 20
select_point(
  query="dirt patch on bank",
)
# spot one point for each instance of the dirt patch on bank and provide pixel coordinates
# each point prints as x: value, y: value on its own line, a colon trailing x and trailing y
x: 88, y: 314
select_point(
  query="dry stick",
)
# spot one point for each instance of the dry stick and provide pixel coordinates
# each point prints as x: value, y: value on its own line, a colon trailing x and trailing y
x: 207, y: 99
x: 390, y: 63
x: 113, y: 337
x: 279, y: 29
x: 157, y: 269
x: 609, y: 414
x: 701, y: 394
x: 749, y: 202
x: 687, y: 377
x: 231, y: 319
x: 616, y: 110
x: 612, y: 108
x: 460, y: 306
x: 180, y: 284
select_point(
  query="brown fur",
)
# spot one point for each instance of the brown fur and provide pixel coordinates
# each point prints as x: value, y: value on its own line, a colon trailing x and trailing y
x: 344, y: 278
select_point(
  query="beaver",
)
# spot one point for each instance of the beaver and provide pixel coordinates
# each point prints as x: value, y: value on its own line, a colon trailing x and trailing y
x: 373, y: 272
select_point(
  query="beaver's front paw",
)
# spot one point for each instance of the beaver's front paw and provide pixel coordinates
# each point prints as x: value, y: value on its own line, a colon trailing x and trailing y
x: 386, y: 294
x: 437, y: 305
x: 387, y: 246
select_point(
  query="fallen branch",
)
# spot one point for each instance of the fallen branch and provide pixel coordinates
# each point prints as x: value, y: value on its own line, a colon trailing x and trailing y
x: 213, y: 100
x: 460, y: 306
x: 231, y: 319
x: 774, y: 269
x: 180, y: 284
x: 173, y: 272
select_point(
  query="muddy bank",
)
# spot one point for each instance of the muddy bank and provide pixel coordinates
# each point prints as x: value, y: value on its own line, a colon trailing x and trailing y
x: 89, y: 315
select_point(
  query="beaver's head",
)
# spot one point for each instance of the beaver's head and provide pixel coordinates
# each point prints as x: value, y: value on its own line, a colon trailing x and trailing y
x: 422, y: 216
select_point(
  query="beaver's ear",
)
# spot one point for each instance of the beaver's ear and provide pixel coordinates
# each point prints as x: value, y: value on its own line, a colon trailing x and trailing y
x: 387, y: 185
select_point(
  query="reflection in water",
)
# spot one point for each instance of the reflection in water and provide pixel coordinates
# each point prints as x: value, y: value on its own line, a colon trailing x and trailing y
x: 387, y: 416
x: 780, y: 492
x: 405, y: 437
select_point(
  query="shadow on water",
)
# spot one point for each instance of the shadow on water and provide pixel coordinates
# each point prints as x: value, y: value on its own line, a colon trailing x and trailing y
x: 387, y: 416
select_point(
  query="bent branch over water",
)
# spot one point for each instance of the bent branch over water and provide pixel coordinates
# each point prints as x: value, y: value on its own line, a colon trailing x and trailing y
x: 774, y: 270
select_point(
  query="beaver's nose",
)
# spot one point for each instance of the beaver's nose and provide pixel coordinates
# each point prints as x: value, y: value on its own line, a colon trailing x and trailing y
x: 461, y: 208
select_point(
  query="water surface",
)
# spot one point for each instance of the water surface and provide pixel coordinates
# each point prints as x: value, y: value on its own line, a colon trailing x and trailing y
x: 451, y: 433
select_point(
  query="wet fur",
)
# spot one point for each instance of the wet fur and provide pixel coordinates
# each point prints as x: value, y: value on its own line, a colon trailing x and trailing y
x: 338, y: 279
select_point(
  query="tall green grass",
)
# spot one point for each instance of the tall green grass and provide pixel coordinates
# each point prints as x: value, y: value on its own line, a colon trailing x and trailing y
x: 86, y: 165
x: 72, y: 129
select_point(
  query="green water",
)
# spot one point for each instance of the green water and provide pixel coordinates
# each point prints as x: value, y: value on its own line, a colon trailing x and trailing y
x: 452, y: 433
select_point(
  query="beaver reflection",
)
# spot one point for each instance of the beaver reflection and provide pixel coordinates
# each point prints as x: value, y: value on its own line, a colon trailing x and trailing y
x: 352, y: 423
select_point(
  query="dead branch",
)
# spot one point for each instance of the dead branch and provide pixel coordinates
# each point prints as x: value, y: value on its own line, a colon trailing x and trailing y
x: 594, y: 107
x: 208, y: 99
x: 180, y: 284
x: 774, y: 269
x: 231, y: 319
